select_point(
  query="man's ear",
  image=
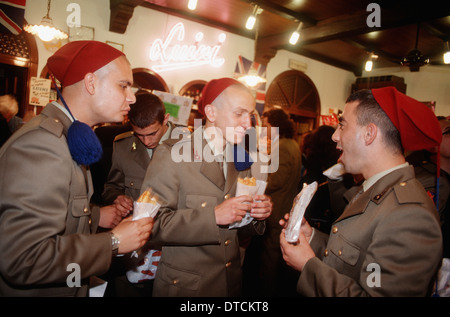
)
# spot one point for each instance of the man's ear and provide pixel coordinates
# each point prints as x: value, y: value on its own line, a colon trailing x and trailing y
x: 370, y: 133
x: 166, y: 118
x: 89, y: 82
x: 210, y: 113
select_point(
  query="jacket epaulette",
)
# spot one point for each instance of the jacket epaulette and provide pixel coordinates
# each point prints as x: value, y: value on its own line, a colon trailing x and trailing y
x: 182, y: 134
x: 123, y: 136
x: 53, y: 125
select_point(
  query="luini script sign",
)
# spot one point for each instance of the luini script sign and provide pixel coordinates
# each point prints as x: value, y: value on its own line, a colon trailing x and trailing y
x: 172, y: 53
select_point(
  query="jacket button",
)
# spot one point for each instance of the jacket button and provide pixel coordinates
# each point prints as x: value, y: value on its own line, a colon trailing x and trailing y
x: 325, y: 253
x: 228, y: 264
x: 227, y: 243
x: 335, y: 229
x: 85, y: 210
x: 204, y: 204
x: 340, y: 252
x: 175, y: 282
x: 226, y: 196
x: 402, y: 184
x: 131, y: 184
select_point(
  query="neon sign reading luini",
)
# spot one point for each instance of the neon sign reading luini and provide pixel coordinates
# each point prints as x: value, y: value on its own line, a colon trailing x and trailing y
x: 173, y: 55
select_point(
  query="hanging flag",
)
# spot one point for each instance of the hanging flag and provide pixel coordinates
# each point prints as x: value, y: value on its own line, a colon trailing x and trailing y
x: 243, y: 67
x: 12, y: 16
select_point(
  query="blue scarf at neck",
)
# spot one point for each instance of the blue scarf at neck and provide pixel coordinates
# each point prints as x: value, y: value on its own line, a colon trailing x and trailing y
x: 84, y: 145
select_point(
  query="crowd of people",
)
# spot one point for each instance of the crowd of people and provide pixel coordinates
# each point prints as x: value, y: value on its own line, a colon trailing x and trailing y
x: 68, y: 195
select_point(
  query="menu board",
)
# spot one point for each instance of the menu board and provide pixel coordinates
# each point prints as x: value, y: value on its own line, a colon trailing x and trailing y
x: 39, y: 91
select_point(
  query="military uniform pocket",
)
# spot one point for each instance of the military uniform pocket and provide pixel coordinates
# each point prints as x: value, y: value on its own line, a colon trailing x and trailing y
x: 133, y: 182
x: 80, y: 206
x: 80, y: 220
x: 177, y: 282
x: 344, y: 250
x: 201, y: 202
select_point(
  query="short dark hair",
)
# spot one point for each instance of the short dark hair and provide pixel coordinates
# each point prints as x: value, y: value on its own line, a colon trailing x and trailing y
x: 147, y: 110
x: 369, y: 111
x: 280, y: 119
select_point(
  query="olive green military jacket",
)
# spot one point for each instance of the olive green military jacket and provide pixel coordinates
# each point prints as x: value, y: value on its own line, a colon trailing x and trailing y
x: 199, y: 257
x: 130, y: 160
x: 386, y: 243
x: 129, y: 163
x: 47, y: 225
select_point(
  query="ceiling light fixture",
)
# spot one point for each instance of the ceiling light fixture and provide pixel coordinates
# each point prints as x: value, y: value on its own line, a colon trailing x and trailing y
x: 296, y: 34
x: 446, y: 55
x: 192, y: 5
x: 252, y: 18
x: 369, y: 64
x: 46, y: 31
x: 252, y: 79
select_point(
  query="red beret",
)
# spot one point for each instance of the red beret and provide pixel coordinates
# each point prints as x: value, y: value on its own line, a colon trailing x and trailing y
x: 212, y: 90
x: 418, y: 126
x: 75, y: 59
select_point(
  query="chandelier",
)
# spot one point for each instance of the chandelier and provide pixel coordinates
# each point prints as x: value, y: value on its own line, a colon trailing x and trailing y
x: 252, y: 79
x: 46, y: 31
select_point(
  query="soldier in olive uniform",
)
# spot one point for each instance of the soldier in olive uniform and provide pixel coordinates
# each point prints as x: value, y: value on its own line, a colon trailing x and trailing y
x: 200, y: 254
x: 132, y: 152
x: 46, y: 220
x: 388, y: 241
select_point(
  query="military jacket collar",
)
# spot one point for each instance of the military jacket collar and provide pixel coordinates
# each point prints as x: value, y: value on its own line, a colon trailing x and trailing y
x: 210, y: 168
x: 378, y: 191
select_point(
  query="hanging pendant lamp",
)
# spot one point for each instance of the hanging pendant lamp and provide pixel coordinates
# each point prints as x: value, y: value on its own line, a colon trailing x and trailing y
x: 46, y: 31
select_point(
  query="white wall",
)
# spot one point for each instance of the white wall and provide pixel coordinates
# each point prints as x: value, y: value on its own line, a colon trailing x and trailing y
x: 430, y: 83
x: 144, y: 27
x: 333, y: 84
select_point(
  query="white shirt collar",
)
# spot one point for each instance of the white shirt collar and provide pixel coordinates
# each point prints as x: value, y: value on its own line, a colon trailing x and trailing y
x: 372, y: 180
x: 63, y: 109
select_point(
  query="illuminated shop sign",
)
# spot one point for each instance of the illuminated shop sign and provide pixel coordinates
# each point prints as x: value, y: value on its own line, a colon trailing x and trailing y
x: 172, y: 53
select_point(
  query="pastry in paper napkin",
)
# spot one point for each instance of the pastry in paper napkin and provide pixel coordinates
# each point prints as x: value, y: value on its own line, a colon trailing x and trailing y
x: 147, y: 205
x: 335, y: 172
x: 252, y: 187
x: 298, y: 209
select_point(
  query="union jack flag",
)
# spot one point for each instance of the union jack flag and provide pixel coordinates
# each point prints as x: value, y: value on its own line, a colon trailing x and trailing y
x: 12, y: 16
x: 243, y: 67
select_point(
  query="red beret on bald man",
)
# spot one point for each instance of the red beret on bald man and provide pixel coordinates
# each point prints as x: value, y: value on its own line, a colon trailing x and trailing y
x: 76, y: 59
x: 212, y: 90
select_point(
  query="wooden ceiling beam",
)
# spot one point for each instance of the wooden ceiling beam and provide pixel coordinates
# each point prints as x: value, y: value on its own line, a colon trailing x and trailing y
x: 383, y: 54
x: 121, y: 13
x: 283, y: 11
x: 355, y: 24
x: 184, y: 14
x: 444, y: 36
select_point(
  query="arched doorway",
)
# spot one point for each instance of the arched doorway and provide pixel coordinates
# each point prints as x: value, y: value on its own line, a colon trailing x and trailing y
x: 18, y: 63
x: 295, y: 92
x: 148, y: 79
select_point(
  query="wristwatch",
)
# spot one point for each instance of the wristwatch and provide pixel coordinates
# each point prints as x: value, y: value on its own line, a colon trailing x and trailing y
x: 114, y: 244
